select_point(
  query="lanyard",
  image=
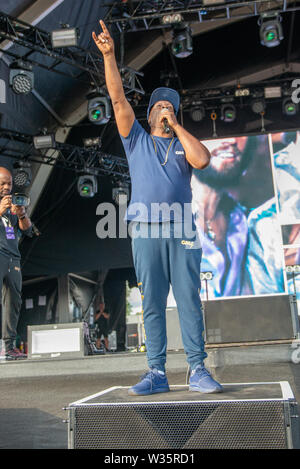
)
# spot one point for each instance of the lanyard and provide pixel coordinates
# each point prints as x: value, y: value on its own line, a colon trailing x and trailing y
x: 6, y: 221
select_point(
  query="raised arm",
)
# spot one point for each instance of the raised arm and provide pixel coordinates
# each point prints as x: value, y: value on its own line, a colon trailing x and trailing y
x: 123, y: 111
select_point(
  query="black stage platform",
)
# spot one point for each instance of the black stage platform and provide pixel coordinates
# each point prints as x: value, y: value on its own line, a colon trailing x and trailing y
x: 245, y: 416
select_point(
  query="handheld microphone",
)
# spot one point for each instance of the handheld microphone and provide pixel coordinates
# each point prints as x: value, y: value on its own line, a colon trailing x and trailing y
x: 166, y: 126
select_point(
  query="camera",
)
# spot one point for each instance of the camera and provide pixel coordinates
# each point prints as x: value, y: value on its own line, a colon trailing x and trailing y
x: 20, y: 200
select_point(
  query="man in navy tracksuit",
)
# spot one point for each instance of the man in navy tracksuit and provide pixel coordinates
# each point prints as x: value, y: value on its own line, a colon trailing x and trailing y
x: 166, y: 248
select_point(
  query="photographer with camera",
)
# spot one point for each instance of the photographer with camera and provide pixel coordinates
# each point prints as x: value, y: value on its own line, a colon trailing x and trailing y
x: 13, y: 222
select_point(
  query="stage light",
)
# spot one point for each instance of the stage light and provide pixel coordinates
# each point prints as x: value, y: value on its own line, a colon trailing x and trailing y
x: 2, y: 91
x: 22, y: 175
x: 258, y: 106
x: 206, y: 276
x: 293, y: 268
x: 92, y: 142
x: 44, y: 141
x: 270, y: 30
x: 289, y: 108
x: 122, y: 190
x: 172, y: 18
x: 182, y: 44
x: 228, y: 112
x: 107, y: 162
x: 21, y: 78
x: 272, y: 92
x: 212, y: 2
x: 65, y: 37
x: 197, y: 113
x: 242, y: 92
x: 99, y: 111
x: 87, y: 185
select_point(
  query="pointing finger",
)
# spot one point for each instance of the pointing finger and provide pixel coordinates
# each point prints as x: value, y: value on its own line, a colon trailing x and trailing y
x: 102, y: 24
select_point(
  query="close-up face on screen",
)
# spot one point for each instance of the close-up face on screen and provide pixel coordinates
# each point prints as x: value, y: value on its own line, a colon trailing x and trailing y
x: 239, y: 203
x: 286, y: 168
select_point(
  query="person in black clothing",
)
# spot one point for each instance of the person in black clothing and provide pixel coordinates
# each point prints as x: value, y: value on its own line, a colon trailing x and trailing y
x: 101, y: 318
x: 13, y: 222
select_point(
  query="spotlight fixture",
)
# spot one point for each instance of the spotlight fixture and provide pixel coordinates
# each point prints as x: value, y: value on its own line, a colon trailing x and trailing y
x: 242, y: 92
x: 87, y: 185
x: 228, y: 112
x: 21, y: 77
x: 212, y: 2
x: 107, y: 162
x: 44, y: 141
x: 99, y: 111
x: 270, y: 29
x: 289, y: 108
x: 65, y: 37
x: 92, y: 142
x: 22, y: 174
x: 182, y: 44
x: 258, y: 106
x: 172, y: 18
x: 122, y: 190
x: 197, y: 114
x: 206, y: 276
x: 272, y: 92
x: 293, y: 268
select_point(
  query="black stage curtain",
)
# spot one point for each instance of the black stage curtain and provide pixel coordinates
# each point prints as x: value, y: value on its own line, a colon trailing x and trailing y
x: 39, y: 300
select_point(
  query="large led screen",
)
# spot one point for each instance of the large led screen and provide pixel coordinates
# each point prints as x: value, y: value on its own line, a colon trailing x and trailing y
x: 247, y: 209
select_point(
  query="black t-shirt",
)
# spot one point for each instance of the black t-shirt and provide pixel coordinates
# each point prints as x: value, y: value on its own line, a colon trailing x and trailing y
x: 102, y: 324
x: 10, y: 247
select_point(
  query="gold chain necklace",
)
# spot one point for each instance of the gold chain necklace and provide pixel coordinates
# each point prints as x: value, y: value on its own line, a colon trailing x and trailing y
x: 166, y: 158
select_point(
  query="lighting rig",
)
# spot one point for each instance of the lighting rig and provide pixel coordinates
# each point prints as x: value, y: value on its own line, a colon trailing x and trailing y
x: 42, y: 148
x: 87, y: 184
x: 99, y: 108
x: 216, y: 103
x: 293, y: 271
x: 59, y: 46
x: 120, y: 192
x: 226, y: 102
x: 21, y: 77
x: 182, y: 44
x: 271, y: 33
x: 138, y: 15
x: 22, y: 175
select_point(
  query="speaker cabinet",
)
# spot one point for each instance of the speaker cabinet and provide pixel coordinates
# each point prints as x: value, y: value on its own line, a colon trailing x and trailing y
x: 245, y: 415
x: 251, y: 319
x: 245, y: 319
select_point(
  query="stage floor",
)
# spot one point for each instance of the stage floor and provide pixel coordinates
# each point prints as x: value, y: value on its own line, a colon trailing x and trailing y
x: 31, y: 405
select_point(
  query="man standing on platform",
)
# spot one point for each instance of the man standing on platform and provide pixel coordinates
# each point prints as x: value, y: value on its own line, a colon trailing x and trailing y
x: 12, y: 219
x: 160, y: 165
